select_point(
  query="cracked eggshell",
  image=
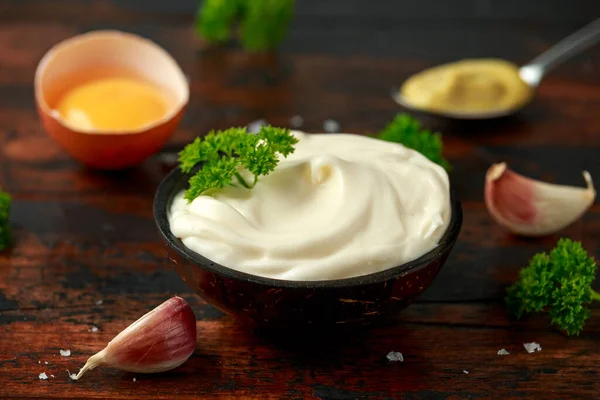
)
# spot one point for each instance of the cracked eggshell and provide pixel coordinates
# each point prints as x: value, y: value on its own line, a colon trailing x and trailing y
x: 100, y: 54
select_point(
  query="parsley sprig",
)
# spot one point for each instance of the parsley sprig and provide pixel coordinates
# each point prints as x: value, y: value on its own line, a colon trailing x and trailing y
x: 262, y: 23
x: 560, y: 282
x: 408, y: 131
x: 5, y: 234
x: 226, y: 156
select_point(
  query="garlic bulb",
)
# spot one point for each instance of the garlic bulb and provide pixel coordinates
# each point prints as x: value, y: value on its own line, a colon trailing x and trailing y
x: 529, y: 207
x: 160, y: 340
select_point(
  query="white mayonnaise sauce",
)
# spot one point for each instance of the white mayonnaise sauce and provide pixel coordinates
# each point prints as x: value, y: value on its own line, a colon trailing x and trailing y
x: 340, y: 206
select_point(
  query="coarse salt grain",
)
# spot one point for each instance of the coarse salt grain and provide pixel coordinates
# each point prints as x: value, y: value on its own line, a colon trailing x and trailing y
x: 166, y: 158
x: 395, y: 356
x: 134, y: 379
x: 465, y: 372
x: 254, y: 127
x: 503, y: 352
x: 52, y: 376
x: 43, y: 376
x: 65, y: 353
x: 46, y: 362
x: 296, y: 121
x: 99, y: 302
x: 331, y: 126
x: 532, y: 347
x: 94, y: 329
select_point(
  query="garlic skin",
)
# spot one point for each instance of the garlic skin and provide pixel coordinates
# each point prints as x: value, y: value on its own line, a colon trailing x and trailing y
x: 529, y: 207
x: 161, y: 340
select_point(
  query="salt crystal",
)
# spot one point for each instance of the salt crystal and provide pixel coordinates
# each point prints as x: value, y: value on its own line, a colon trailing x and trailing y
x: 465, y: 372
x: 169, y: 158
x: 331, y: 126
x: 503, y: 352
x: 254, y: 127
x: 43, y: 376
x: 296, y: 121
x: 52, y: 376
x: 134, y: 379
x: 99, y: 302
x: 395, y: 356
x: 39, y: 362
x: 46, y: 362
x: 94, y: 329
x: 65, y: 353
x: 532, y: 347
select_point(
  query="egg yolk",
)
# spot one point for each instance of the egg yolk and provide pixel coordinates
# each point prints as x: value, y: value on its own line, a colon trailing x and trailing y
x: 115, y: 103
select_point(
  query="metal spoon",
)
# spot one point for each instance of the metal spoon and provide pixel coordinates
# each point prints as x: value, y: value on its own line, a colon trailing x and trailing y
x: 531, y: 73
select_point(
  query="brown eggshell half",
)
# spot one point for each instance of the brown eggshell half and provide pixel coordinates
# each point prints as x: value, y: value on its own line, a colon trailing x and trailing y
x: 100, y: 54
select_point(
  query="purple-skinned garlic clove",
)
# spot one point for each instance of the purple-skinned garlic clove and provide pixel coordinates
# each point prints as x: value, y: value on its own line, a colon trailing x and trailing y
x: 161, y: 340
x: 530, y: 207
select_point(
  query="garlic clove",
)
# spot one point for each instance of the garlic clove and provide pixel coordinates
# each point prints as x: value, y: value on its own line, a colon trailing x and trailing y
x: 161, y: 340
x: 529, y: 207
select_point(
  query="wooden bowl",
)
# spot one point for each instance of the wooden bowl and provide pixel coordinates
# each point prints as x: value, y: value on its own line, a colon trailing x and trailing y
x: 282, y: 303
x: 100, y: 54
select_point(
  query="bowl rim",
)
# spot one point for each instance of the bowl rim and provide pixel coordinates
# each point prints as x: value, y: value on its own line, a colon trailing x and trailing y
x: 56, y: 51
x: 162, y: 201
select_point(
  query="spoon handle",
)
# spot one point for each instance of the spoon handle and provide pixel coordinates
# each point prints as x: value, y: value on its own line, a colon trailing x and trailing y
x: 570, y: 46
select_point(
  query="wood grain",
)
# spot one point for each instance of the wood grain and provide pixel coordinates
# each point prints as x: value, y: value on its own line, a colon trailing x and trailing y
x: 87, y: 254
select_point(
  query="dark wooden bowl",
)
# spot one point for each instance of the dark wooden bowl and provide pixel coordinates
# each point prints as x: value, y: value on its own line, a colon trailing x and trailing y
x: 283, y: 303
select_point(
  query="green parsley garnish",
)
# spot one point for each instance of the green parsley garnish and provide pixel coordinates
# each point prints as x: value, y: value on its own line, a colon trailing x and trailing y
x: 226, y: 156
x: 407, y: 130
x: 263, y: 23
x: 5, y: 235
x: 215, y: 19
x: 561, y: 282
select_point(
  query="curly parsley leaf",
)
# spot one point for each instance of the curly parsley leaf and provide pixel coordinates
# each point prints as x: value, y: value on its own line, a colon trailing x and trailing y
x: 216, y: 18
x: 263, y: 24
x: 224, y: 157
x: 215, y: 174
x: 560, y: 281
x: 5, y: 231
x: 280, y: 139
x: 407, y: 131
x: 530, y: 293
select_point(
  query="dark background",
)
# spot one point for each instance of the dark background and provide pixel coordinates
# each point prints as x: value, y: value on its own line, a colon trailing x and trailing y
x: 433, y: 29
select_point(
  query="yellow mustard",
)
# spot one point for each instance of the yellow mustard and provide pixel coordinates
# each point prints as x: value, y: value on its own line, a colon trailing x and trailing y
x: 467, y: 86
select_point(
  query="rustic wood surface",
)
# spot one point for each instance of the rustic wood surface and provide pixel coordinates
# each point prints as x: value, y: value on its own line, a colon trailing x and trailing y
x: 87, y: 254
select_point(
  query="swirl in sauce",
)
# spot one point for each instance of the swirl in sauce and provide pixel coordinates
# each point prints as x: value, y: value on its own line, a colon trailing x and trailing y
x: 340, y: 206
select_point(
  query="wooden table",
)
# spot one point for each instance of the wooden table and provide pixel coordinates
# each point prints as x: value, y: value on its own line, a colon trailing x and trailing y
x: 87, y: 254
